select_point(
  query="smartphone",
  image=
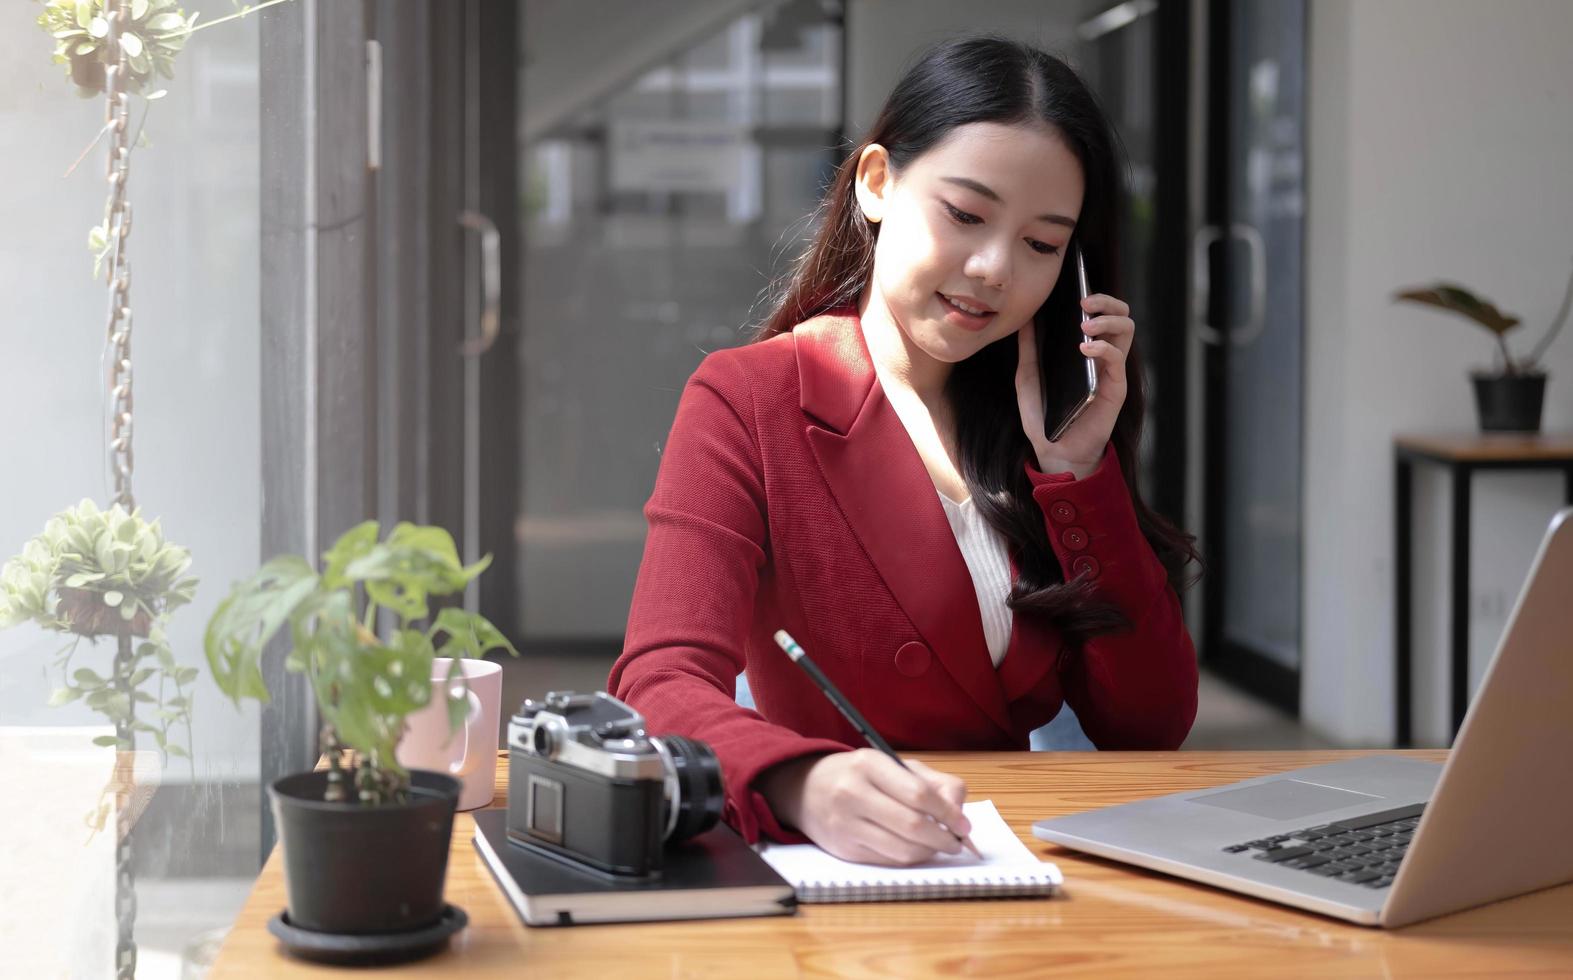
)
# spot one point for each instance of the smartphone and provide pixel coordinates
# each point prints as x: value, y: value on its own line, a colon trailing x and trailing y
x: 1069, y: 386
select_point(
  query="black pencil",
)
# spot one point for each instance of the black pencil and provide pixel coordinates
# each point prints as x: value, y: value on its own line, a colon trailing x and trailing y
x: 785, y: 642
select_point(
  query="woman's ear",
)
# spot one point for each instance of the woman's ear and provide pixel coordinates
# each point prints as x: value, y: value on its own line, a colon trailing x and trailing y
x: 873, y: 181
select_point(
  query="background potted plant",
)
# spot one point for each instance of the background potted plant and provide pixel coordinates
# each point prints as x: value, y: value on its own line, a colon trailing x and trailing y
x: 365, y: 841
x: 1510, y: 397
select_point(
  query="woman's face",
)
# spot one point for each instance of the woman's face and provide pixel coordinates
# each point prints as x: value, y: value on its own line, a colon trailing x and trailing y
x: 982, y: 220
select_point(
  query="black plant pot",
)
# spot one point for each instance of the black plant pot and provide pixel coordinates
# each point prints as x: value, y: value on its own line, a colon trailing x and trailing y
x: 1509, y: 402
x: 360, y: 870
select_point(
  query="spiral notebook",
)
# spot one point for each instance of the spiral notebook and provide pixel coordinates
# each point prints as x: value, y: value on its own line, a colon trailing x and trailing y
x: 1007, y: 869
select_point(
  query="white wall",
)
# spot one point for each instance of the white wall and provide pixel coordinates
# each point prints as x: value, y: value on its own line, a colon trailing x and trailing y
x: 195, y: 342
x: 1440, y: 141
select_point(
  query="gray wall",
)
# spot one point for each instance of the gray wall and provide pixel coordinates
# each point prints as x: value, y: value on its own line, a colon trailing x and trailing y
x: 1440, y: 137
x: 884, y: 37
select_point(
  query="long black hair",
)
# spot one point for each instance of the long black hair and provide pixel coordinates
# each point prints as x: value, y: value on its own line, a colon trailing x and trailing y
x: 986, y: 78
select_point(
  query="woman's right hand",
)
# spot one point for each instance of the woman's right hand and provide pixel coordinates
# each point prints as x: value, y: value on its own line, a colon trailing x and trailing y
x: 862, y: 806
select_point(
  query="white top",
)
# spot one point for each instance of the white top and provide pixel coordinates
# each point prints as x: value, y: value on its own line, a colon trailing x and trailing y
x: 983, y: 549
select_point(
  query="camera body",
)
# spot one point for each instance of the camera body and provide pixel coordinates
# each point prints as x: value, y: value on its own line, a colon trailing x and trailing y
x: 586, y: 783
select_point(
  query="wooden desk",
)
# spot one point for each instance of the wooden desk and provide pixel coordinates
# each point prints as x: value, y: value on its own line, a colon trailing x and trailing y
x: 1462, y: 455
x: 1110, y: 919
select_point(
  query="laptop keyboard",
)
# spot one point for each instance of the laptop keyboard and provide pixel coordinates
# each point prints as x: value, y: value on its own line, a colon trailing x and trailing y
x: 1361, y: 850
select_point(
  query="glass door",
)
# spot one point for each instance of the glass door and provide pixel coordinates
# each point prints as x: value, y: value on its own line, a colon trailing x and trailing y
x: 654, y: 205
x: 1249, y: 318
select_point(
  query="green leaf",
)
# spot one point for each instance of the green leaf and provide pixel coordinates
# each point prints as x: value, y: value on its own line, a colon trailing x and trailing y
x: 457, y: 696
x: 245, y: 621
x: 186, y: 675
x: 407, y: 600
x: 106, y: 740
x: 87, y: 678
x: 64, y: 695
x: 117, y: 706
x: 413, y: 563
x: 1457, y: 299
x: 469, y: 634
x: 351, y: 545
x: 434, y: 540
x: 112, y: 598
x: 177, y: 751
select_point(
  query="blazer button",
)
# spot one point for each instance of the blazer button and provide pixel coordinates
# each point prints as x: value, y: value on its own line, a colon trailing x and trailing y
x: 1074, y: 538
x: 1063, y: 511
x: 913, y: 659
x: 1085, y: 565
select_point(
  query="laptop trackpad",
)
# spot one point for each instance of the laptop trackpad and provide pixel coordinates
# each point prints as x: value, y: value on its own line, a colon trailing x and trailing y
x: 1284, y: 799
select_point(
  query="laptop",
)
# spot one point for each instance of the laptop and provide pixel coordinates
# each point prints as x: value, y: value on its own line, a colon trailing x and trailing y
x: 1387, y: 840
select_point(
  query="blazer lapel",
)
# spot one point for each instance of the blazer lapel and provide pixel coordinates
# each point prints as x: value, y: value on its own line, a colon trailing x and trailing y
x: 886, y: 495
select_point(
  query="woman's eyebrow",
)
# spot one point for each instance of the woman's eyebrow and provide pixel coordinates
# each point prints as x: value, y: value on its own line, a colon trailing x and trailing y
x: 972, y: 185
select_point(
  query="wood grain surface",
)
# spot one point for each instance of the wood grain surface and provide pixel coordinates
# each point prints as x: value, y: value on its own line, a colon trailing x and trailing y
x: 1490, y: 447
x: 1111, y: 920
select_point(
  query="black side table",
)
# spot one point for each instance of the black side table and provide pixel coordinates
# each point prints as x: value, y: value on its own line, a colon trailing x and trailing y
x: 1462, y: 455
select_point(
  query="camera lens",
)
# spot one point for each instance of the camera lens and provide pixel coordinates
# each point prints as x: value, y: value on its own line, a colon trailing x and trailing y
x: 698, y: 794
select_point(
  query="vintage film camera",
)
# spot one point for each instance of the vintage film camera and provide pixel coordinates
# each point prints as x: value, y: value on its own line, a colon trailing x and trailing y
x: 586, y: 783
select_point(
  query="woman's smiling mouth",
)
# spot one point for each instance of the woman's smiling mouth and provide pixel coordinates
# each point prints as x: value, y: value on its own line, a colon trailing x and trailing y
x: 966, y: 312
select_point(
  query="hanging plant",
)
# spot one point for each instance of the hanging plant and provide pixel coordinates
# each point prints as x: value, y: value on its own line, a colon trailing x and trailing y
x: 105, y: 573
x: 155, y: 34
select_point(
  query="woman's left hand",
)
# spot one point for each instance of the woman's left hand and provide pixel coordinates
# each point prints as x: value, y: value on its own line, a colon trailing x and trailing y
x: 1081, y: 447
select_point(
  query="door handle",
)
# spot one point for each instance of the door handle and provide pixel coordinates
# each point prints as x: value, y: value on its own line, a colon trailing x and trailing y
x: 491, y: 283
x: 1201, y: 284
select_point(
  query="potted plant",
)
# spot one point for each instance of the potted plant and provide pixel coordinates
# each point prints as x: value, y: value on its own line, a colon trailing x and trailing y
x: 365, y: 841
x: 1510, y: 397
x: 96, y: 574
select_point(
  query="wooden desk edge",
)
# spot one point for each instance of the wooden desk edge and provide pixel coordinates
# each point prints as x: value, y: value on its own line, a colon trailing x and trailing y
x: 1487, y: 447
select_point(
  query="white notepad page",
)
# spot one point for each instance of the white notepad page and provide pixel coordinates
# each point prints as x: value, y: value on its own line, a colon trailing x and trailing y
x: 1007, y: 869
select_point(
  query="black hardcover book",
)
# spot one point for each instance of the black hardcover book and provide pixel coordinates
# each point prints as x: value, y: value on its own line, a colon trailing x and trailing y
x: 712, y: 876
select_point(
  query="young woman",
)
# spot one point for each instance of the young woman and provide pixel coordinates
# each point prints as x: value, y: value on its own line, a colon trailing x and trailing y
x: 873, y: 476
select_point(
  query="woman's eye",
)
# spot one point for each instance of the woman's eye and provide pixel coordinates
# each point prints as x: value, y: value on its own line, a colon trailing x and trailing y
x: 962, y: 216
x: 1043, y: 248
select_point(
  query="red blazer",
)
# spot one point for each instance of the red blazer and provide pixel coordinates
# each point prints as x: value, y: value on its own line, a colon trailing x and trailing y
x: 791, y: 497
